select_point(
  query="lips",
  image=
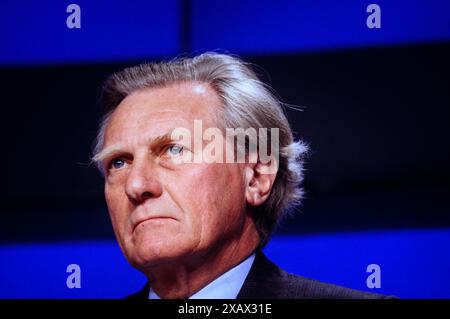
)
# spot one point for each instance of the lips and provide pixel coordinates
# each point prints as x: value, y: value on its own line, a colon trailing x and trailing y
x: 149, y: 218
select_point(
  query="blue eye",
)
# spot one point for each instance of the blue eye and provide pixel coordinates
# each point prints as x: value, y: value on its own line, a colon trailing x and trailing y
x: 174, y: 150
x: 117, y: 163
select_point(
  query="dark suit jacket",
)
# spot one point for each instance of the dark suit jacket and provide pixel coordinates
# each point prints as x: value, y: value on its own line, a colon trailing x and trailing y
x: 267, y: 281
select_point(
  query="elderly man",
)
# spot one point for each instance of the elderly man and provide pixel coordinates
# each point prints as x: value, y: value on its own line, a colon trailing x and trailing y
x: 196, y: 228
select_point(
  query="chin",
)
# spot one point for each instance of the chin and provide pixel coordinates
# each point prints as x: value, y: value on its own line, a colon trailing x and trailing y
x: 151, y: 252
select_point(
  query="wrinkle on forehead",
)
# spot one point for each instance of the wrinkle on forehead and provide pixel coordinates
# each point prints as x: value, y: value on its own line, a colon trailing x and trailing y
x: 153, y: 110
x: 193, y: 98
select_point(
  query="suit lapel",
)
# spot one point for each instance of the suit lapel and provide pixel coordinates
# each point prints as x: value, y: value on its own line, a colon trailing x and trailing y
x: 265, y: 280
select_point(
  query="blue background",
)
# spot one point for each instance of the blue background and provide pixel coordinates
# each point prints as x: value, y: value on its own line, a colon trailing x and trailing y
x: 36, y: 32
x: 414, y: 264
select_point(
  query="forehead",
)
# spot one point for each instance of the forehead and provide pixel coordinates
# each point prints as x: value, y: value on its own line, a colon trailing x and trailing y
x: 155, y: 111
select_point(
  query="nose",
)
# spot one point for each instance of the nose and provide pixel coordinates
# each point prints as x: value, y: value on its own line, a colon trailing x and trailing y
x: 142, y: 182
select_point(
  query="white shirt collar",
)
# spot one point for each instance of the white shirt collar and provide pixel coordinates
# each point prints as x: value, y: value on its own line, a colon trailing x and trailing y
x: 227, y: 286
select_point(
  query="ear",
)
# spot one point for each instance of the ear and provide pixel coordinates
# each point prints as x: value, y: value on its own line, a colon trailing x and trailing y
x: 259, y: 182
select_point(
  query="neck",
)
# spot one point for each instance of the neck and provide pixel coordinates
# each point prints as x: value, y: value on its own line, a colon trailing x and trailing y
x: 183, y: 279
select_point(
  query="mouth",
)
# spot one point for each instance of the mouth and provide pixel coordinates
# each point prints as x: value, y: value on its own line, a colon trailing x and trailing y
x: 152, y: 219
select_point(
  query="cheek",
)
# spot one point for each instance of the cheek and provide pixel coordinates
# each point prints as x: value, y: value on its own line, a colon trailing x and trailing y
x: 116, y: 206
x: 216, y: 200
x: 225, y: 186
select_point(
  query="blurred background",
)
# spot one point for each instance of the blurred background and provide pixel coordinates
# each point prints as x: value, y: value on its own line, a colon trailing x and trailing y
x: 376, y: 115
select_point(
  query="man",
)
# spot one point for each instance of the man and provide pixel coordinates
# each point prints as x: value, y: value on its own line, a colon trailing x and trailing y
x: 195, y: 228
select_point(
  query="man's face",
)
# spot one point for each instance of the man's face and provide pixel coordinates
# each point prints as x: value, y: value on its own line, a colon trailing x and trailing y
x: 162, y: 209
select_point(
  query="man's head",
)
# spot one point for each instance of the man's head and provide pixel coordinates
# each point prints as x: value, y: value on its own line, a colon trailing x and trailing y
x: 164, y: 209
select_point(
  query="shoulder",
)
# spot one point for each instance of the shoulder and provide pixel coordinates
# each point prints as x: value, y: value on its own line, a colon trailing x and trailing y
x: 266, y: 280
x: 303, y: 287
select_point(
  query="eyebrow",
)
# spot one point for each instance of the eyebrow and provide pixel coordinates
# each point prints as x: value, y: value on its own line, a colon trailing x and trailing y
x: 115, y: 149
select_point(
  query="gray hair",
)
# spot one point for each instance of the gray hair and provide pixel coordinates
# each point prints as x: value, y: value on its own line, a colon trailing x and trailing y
x: 247, y: 103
